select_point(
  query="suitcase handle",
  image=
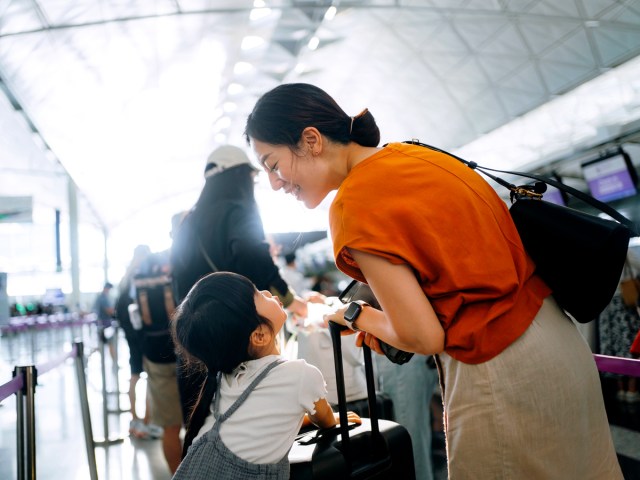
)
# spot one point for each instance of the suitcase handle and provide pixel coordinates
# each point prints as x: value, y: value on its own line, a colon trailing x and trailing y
x: 335, y: 329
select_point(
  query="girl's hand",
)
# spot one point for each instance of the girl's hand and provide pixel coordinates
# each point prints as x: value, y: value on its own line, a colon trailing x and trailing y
x: 352, y: 417
x: 299, y: 308
x: 315, y: 297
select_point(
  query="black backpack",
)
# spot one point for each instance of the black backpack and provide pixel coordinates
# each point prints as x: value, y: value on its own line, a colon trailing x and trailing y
x: 156, y: 304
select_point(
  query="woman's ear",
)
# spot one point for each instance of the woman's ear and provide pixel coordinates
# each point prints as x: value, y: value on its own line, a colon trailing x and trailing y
x: 312, y: 138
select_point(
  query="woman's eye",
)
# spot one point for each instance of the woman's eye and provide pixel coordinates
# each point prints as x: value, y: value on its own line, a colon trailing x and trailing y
x: 274, y: 168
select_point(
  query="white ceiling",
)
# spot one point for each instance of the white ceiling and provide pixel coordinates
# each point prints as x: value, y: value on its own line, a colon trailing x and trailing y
x: 130, y: 97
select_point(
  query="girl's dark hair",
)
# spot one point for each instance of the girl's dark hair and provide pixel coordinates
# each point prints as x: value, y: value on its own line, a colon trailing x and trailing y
x: 280, y: 116
x: 213, y: 326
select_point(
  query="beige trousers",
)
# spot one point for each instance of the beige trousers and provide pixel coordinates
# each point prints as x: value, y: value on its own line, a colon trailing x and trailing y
x: 533, y: 412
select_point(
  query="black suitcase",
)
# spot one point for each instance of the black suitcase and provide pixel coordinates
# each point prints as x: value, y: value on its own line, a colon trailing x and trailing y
x: 377, y: 449
x: 384, y: 406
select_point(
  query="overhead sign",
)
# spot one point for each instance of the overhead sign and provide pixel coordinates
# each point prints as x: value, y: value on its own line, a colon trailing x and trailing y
x: 16, y: 209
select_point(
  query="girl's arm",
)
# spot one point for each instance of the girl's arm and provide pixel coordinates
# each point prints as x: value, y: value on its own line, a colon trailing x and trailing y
x: 324, y: 416
x: 407, y: 320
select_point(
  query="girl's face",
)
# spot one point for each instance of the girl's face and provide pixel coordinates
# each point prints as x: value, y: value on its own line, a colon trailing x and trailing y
x: 270, y: 307
x: 300, y: 175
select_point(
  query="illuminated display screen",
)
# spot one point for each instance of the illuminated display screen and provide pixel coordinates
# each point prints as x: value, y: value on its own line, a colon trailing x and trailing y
x: 610, y: 178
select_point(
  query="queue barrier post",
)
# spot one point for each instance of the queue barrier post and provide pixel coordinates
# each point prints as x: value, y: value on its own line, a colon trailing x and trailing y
x: 84, y: 407
x: 26, y: 424
x: 20, y: 434
x: 107, y: 440
x: 115, y: 370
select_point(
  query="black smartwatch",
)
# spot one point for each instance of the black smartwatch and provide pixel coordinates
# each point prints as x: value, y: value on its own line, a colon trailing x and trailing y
x: 352, y: 313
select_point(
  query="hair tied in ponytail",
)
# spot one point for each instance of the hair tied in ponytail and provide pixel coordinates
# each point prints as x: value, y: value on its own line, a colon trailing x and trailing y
x: 361, y: 114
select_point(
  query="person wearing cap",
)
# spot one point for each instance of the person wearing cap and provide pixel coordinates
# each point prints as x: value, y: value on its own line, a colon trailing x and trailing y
x: 224, y: 232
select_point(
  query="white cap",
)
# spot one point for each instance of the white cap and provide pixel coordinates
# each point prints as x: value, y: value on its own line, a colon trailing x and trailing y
x: 225, y: 157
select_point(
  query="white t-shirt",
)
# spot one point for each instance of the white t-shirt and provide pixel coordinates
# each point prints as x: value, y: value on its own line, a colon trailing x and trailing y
x: 263, y: 429
x: 315, y: 346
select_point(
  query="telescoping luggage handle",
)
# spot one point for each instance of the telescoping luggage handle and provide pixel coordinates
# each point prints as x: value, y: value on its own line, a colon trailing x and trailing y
x: 526, y: 191
x: 378, y: 441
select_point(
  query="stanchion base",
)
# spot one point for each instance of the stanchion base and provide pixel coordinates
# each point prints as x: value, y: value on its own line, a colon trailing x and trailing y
x: 108, y: 442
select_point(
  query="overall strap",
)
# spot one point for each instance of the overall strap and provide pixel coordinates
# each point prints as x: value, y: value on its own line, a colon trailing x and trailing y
x: 221, y: 418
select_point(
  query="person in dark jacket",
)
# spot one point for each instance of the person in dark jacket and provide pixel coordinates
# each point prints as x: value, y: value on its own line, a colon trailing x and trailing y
x: 224, y: 232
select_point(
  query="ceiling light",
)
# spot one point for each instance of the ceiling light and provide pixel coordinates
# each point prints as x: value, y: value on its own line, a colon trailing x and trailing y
x: 260, y: 12
x: 235, y: 88
x: 229, y: 107
x: 220, y: 138
x: 313, y: 43
x: 242, y: 68
x: 299, y: 68
x: 330, y: 13
x: 251, y: 42
x: 223, y: 123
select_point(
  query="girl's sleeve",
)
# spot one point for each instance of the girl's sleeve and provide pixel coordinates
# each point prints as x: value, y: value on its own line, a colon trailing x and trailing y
x: 312, y: 388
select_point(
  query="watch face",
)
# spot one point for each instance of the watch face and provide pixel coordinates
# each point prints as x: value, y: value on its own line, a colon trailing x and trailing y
x: 352, y: 312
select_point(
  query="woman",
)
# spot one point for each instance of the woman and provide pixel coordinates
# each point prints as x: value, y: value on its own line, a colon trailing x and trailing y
x: 438, y: 248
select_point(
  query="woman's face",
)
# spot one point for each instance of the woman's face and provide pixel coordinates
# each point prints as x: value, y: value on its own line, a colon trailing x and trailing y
x: 300, y: 175
x: 270, y: 307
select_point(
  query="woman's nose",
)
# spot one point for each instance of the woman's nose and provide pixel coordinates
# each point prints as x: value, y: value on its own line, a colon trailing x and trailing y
x: 276, y: 182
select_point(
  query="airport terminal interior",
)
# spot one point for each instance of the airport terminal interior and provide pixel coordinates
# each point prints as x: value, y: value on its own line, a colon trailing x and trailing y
x: 109, y: 111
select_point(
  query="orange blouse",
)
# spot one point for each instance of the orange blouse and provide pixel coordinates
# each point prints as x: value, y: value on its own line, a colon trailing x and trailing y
x: 414, y: 206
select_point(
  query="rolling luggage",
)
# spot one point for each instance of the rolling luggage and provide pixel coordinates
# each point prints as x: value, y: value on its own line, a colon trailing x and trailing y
x: 377, y: 449
x: 384, y: 406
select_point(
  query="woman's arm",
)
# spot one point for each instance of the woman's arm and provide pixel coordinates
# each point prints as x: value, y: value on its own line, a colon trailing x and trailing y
x: 407, y: 320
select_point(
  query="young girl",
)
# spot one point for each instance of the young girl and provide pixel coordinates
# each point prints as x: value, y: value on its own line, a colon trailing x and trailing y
x: 259, y: 401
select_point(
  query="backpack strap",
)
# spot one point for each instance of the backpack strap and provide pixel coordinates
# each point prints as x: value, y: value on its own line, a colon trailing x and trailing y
x: 212, y: 265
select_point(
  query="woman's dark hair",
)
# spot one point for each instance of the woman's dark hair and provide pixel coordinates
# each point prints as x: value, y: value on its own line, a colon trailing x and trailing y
x: 213, y: 326
x: 280, y: 116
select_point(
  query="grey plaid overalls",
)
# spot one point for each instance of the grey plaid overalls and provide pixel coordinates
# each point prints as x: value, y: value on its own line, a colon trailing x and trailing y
x: 209, y: 458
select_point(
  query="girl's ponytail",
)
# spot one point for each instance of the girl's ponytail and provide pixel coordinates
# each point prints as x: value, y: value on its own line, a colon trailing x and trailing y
x: 200, y: 410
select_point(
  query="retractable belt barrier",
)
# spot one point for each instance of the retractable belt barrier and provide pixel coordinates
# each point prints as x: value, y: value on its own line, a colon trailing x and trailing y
x: 619, y: 365
x: 23, y: 385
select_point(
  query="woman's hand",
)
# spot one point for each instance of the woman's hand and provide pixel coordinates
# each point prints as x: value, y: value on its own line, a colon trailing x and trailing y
x: 370, y: 341
x: 338, y: 317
